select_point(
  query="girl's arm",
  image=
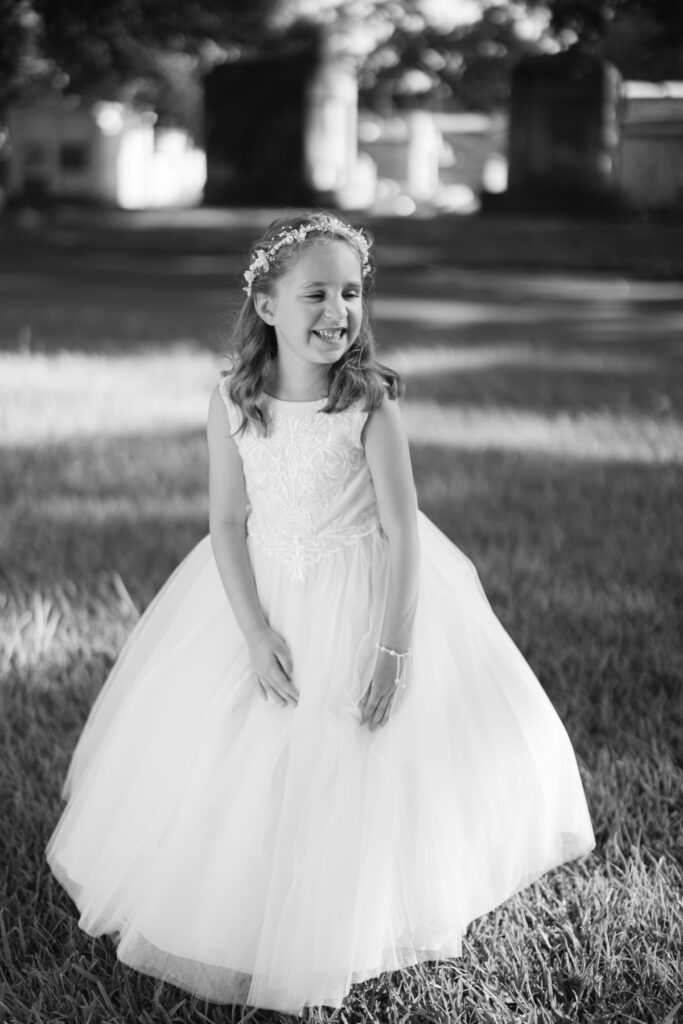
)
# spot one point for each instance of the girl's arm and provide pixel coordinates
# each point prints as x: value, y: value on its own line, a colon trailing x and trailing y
x: 386, y: 449
x: 269, y: 654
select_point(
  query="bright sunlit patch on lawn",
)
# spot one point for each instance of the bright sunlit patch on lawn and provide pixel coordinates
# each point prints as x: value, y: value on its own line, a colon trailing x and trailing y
x: 101, y: 509
x: 46, y: 631
x: 427, y: 361
x: 44, y: 399
x: 590, y: 436
x: 48, y: 398
x: 542, y: 465
x: 450, y: 312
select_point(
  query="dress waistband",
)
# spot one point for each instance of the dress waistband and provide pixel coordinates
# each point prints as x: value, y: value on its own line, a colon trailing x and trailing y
x: 300, y: 553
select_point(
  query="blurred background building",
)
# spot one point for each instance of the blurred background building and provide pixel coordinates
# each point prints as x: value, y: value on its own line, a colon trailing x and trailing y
x: 651, y: 146
x: 400, y: 108
x: 103, y: 152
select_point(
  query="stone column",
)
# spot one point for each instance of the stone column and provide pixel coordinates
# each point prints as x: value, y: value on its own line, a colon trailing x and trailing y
x: 331, y: 143
x: 282, y: 130
x: 564, y: 133
x: 255, y: 117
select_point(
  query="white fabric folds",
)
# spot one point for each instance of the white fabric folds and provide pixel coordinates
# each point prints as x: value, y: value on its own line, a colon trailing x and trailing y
x: 273, y: 856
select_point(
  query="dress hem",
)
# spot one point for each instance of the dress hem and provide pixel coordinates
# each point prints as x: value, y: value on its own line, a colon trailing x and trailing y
x: 392, y: 958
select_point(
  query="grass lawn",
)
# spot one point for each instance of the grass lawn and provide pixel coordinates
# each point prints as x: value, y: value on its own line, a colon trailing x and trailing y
x: 547, y: 443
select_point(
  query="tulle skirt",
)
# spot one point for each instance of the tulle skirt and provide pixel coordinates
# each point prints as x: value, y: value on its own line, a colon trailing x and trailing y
x: 273, y: 856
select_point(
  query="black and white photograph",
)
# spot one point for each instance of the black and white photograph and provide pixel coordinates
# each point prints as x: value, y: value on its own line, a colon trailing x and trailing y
x: 341, y: 512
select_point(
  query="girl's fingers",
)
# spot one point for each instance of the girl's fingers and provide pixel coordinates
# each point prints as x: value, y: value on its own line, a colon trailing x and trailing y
x: 283, y: 676
x: 273, y: 670
x: 374, y: 706
x: 286, y: 688
x: 379, y: 713
x: 388, y: 708
x: 368, y: 703
x: 279, y: 697
x: 284, y: 659
x: 282, y: 690
x: 269, y: 688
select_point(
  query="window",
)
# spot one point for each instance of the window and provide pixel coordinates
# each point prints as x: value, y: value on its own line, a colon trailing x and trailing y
x: 74, y: 156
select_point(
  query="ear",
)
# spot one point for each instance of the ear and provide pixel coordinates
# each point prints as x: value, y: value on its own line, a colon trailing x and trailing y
x: 265, y: 307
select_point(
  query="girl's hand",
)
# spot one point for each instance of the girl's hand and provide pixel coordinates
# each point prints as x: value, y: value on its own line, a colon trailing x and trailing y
x: 378, y: 701
x: 272, y: 664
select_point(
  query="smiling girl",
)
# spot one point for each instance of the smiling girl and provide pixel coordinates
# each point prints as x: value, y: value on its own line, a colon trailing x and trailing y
x: 320, y: 755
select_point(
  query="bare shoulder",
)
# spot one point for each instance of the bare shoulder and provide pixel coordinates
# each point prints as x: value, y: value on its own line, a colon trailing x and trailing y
x: 216, y: 401
x: 385, y: 438
x: 384, y: 422
x: 219, y: 426
x: 218, y: 414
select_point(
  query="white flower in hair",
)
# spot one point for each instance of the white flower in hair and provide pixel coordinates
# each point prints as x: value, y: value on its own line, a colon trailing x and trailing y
x: 288, y: 236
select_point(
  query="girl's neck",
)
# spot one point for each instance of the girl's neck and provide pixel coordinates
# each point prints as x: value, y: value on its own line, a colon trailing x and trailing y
x: 304, y: 387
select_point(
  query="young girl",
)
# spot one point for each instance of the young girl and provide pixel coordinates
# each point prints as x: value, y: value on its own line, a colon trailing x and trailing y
x: 319, y: 755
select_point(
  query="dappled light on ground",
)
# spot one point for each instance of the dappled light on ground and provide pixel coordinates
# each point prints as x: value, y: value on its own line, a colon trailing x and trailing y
x: 595, y: 321
x: 450, y: 313
x: 78, y: 396
x: 547, y: 444
x: 430, y: 360
x: 87, y: 396
x: 583, y: 436
x: 556, y: 286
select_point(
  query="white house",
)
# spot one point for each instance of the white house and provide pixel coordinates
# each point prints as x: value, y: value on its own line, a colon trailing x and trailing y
x: 65, y: 148
x: 651, y: 147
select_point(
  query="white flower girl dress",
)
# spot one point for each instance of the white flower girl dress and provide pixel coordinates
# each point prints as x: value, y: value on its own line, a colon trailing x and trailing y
x: 273, y: 856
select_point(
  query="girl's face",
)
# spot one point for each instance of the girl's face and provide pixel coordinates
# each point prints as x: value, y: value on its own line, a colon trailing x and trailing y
x: 316, y: 306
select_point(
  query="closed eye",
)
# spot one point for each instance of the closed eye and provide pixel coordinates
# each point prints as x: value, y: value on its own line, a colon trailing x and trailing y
x: 319, y: 296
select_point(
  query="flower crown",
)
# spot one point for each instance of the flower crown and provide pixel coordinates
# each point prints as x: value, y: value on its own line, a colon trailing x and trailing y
x: 288, y: 236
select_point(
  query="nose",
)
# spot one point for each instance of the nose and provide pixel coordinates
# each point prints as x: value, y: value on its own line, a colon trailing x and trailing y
x: 335, y: 308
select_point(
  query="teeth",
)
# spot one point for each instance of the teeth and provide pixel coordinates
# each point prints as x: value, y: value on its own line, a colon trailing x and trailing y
x: 330, y: 335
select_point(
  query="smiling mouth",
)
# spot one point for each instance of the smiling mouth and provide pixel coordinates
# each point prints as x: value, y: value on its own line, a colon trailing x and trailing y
x: 331, y: 334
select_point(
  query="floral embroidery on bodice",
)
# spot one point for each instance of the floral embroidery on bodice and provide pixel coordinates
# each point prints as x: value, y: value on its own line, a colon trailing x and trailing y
x: 309, y: 489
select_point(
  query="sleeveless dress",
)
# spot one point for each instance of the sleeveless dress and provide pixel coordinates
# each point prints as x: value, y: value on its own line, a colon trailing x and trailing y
x: 272, y: 856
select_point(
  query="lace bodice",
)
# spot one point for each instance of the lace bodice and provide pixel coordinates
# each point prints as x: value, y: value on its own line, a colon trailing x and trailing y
x: 309, y: 489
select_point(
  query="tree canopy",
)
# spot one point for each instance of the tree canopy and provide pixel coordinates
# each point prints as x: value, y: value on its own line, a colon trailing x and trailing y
x: 643, y: 38
x: 141, y: 46
x: 147, y: 47
x: 154, y: 50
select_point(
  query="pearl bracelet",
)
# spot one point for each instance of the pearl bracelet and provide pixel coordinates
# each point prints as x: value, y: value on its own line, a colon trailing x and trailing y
x: 400, y: 659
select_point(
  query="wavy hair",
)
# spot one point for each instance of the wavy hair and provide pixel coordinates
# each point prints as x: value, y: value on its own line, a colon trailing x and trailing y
x: 357, y: 374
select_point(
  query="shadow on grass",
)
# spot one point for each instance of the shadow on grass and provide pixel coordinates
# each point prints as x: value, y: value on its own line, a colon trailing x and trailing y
x: 582, y: 564
x: 518, y: 374
x: 130, y: 505
x: 581, y: 560
x: 129, y: 314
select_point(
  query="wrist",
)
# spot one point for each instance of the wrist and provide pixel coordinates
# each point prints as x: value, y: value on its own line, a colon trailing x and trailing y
x: 395, y: 649
x: 399, y: 657
x: 253, y: 632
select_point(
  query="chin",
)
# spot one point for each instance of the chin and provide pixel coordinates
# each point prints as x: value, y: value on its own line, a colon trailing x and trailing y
x: 332, y: 354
